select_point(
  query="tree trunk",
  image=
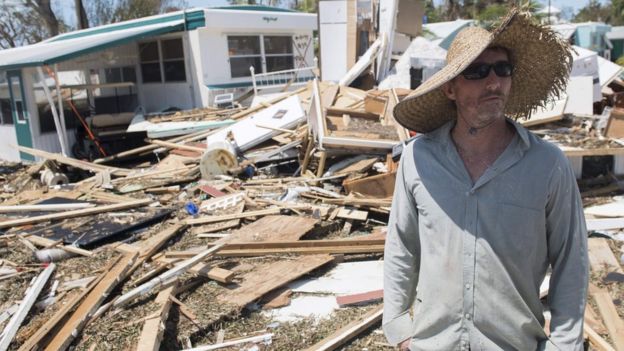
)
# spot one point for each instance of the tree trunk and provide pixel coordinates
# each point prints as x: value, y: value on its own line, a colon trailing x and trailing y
x: 81, y: 15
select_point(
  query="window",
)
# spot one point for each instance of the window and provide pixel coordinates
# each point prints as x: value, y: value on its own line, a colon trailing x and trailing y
x: 264, y: 53
x: 16, y: 92
x: 173, y: 60
x: 279, y: 53
x: 116, y: 98
x: 244, y: 52
x: 162, y: 61
x: 5, y: 111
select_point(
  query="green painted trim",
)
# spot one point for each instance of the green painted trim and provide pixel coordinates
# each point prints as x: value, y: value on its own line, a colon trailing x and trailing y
x: 97, y: 47
x: 22, y: 130
x: 253, y: 8
x: 194, y: 19
x: 230, y: 85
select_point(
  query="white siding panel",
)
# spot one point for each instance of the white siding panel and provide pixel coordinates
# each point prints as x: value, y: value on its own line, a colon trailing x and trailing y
x: 7, y: 140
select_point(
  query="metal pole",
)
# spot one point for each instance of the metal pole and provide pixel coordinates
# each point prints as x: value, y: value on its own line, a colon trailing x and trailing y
x: 57, y: 122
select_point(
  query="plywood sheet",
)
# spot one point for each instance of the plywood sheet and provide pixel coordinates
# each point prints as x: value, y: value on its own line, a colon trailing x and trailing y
x: 270, y: 276
x: 273, y: 228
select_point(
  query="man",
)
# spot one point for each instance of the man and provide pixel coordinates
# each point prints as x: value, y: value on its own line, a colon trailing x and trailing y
x: 483, y: 208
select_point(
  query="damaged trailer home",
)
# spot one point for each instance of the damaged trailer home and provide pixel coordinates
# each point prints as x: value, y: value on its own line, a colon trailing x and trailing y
x: 95, y: 80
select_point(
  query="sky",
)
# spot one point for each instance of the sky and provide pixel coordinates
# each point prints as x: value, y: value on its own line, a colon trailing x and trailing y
x: 68, y: 15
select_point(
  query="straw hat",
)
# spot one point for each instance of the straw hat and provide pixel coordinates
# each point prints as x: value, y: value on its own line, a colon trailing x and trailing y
x: 541, y: 59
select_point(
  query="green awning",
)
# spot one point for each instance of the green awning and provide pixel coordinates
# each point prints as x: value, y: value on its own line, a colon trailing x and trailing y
x: 71, y: 45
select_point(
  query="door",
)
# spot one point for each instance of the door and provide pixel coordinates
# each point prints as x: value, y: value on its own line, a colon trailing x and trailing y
x: 20, y: 113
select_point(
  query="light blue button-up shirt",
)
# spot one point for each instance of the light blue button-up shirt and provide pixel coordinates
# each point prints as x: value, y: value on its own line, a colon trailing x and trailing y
x: 464, y: 262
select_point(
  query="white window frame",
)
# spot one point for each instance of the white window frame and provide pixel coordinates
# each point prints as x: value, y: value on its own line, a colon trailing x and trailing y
x: 161, y: 60
x: 263, y: 55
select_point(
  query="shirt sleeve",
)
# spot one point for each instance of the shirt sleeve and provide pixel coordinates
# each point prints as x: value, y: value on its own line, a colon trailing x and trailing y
x: 401, y: 254
x: 567, y: 253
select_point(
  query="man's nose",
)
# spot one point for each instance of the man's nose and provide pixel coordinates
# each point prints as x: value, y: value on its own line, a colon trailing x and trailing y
x: 492, y: 81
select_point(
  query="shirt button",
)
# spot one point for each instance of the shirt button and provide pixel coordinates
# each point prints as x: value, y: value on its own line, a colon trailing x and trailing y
x: 467, y: 315
x: 467, y: 286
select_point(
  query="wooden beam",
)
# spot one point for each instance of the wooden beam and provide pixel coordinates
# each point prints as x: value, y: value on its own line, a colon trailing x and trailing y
x: 51, y: 323
x: 29, y: 300
x: 352, y: 214
x: 74, y: 213
x: 214, y: 219
x: 154, y: 327
x: 349, y: 331
x: 178, y: 146
x: 596, y: 340
x: 87, y: 166
x: 608, y: 311
x: 46, y: 208
x: 258, y: 338
x: 215, y: 273
x: 72, y: 327
x: 601, y: 257
x: 277, y: 251
x: 45, y: 242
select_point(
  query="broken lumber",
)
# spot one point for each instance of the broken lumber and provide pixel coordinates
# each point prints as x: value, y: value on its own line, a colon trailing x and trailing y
x: 269, y: 276
x: 213, y: 219
x: 87, y: 166
x: 596, y: 340
x: 348, y: 332
x: 78, y: 319
x: 608, y: 311
x: 356, y: 299
x: 165, y: 277
x: 215, y: 273
x: 47, y: 207
x: 178, y: 146
x: 45, y: 242
x: 29, y: 300
x: 75, y: 213
x: 154, y: 327
x: 46, y: 329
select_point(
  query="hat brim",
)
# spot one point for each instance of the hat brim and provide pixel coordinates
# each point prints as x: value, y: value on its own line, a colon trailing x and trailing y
x: 542, y: 62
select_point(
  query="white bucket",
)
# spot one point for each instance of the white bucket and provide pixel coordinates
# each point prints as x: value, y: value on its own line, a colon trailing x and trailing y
x: 218, y: 158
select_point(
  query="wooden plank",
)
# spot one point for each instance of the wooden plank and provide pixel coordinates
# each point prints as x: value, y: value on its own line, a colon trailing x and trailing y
x: 377, y: 186
x: 352, y: 113
x: 349, y: 331
x: 359, y: 166
x: 269, y: 276
x: 349, y: 213
x: 608, y: 311
x: 92, y: 301
x: 75, y: 213
x: 596, y: 340
x: 151, y: 245
x: 28, y: 301
x: 356, y: 299
x: 215, y: 273
x: 361, y: 249
x: 88, y: 166
x: 52, y: 323
x: 154, y: 327
x: 178, y: 146
x: 601, y: 257
x: 592, y: 320
x: 576, y: 151
x: 45, y: 242
x: 47, y: 207
x: 214, y: 219
x: 273, y: 228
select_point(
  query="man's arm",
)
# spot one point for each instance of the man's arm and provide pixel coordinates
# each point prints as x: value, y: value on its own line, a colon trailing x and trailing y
x: 567, y: 253
x: 401, y: 256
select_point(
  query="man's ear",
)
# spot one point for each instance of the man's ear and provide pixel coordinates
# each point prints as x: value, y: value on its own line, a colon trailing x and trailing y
x: 449, y: 90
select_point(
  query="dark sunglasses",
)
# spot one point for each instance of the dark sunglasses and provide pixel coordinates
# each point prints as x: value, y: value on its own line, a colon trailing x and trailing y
x: 482, y: 70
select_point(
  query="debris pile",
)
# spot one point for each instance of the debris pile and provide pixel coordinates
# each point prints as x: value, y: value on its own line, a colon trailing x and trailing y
x: 266, y: 232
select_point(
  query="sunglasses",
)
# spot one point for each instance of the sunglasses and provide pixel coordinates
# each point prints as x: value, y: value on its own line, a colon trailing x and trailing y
x: 482, y: 70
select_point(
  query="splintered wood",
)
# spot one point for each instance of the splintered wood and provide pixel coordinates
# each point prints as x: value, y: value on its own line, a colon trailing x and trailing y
x: 269, y: 276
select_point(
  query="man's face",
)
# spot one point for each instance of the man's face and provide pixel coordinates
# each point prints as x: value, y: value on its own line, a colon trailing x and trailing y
x: 480, y: 101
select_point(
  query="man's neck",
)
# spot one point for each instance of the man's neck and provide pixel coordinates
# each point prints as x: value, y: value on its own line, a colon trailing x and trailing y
x: 482, y: 140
